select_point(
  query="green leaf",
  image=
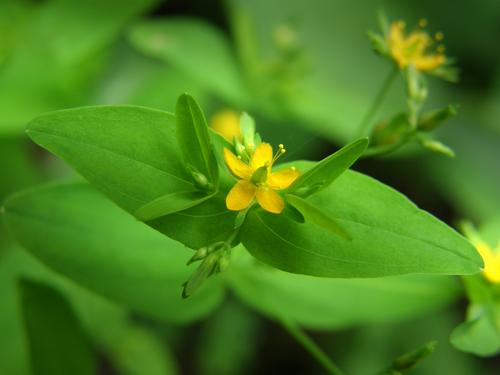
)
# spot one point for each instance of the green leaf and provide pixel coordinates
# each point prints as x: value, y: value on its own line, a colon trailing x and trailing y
x: 323, y: 303
x: 196, y: 48
x: 479, y: 335
x: 79, y: 233
x: 66, y: 41
x: 411, y: 360
x: 130, y: 153
x: 390, y: 236
x: 141, y: 352
x: 106, y: 323
x: 201, y: 225
x: 328, y: 169
x: 194, y: 140
x: 315, y: 215
x: 57, y: 343
x: 171, y: 203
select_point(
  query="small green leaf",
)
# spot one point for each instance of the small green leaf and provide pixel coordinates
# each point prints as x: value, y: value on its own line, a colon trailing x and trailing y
x: 315, y: 215
x: 410, y: 360
x: 435, y: 146
x: 194, y: 140
x: 479, y: 335
x: 433, y: 119
x: 171, y: 203
x: 328, y: 169
x: 57, y: 343
x: 79, y: 233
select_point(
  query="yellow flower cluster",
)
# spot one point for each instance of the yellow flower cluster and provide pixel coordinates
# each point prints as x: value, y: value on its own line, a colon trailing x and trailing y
x: 413, y: 49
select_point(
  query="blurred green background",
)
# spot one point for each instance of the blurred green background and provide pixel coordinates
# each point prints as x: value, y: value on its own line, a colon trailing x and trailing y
x: 305, y: 70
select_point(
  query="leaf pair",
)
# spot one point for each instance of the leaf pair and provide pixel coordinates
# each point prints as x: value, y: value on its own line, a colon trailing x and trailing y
x: 132, y: 155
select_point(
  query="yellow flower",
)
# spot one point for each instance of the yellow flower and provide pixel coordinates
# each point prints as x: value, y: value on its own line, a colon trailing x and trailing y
x: 412, y: 49
x: 257, y: 181
x: 227, y: 124
x: 491, y: 260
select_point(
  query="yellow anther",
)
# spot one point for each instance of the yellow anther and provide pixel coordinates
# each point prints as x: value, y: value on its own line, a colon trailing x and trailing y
x: 439, y: 36
x: 441, y: 49
x: 422, y: 23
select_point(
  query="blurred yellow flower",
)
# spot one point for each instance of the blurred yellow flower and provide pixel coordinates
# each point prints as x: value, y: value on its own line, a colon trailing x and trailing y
x: 412, y: 49
x: 227, y: 124
x: 491, y: 260
x: 257, y: 181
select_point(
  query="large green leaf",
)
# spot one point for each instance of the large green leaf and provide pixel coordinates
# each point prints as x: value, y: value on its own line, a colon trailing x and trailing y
x: 79, y: 233
x: 57, y: 342
x: 335, y: 303
x: 128, y: 152
x: 127, y: 345
x: 195, y: 47
x: 390, y: 236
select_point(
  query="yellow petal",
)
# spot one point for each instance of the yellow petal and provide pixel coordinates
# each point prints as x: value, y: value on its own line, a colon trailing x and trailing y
x: 263, y: 155
x: 491, y: 262
x: 236, y: 166
x: 227, y: 123
x: 282, y: 179
x: 269, y: 200
x: 429, y: 62
x: 240, y: 196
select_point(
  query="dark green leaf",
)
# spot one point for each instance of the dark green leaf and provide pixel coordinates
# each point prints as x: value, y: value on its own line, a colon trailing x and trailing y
x: 410, y: 360
x: 194, y: 140
x: 79, y: 233
x: 390, y: 236
x: 328, y: 169
x: 57, y: 343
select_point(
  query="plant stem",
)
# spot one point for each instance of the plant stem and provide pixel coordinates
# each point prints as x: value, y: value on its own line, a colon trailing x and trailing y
x: 363, y: 127
x: 311, y: 347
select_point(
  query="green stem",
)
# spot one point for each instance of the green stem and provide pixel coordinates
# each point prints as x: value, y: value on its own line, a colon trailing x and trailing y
x: 363, y: 128
x: 311, y: 347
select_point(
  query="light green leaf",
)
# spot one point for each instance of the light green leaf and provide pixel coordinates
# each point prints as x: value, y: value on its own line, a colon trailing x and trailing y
x: 315, y: 215
x: 76, y: 231
x: 141, y: 352
x: 57, y: 343
x: 479, y: 335
x: 194, y: 140
x: 390, y: 236
x: 323, y: 303
x: 196, y: 48
x: 328, y: 169
x: 130, y: 153
x: 64, y: 40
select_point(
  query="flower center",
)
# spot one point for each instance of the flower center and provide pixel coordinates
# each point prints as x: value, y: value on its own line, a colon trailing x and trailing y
x: 259, y: 177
